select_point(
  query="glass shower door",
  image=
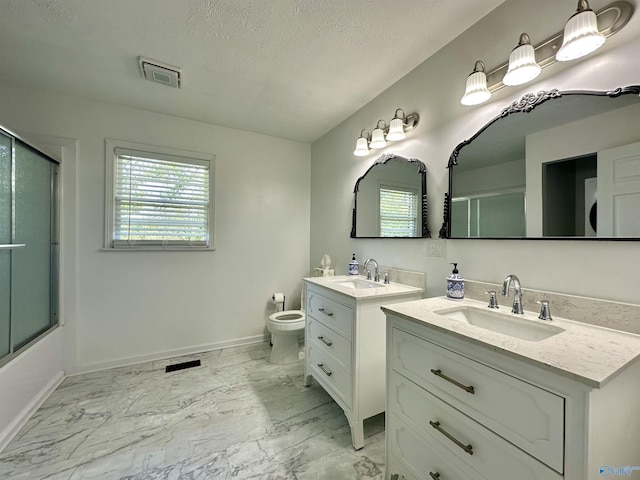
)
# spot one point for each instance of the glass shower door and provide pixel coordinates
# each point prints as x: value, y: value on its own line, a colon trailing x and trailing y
x: 28, y: 245
x: 31, y: 265
x: 5, y: 299
x: 5, y: 239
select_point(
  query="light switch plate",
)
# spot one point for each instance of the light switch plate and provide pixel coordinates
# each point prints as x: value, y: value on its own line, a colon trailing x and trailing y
x: 437, y: 248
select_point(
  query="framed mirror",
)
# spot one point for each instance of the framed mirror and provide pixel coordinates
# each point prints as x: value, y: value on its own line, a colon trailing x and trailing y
x: 553, y: 165
x: 390, y: 200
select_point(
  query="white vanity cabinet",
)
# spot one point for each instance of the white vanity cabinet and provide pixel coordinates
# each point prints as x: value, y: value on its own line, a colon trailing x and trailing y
x: 345, y: 347
x: 457, y: 409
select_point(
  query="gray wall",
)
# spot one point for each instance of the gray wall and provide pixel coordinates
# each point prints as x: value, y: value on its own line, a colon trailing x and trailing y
x: 124, y: 307
x: 433, y: 90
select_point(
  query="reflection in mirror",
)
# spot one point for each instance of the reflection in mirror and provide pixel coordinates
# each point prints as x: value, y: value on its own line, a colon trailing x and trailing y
x: 391, y: 200
x: 552, y: 165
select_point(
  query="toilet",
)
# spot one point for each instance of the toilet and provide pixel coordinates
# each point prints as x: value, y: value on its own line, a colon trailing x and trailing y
x: 285, y: 328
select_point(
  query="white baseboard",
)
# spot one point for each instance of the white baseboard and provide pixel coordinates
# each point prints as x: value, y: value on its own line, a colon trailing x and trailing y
x: 127, y: 361
x: 25, y: 414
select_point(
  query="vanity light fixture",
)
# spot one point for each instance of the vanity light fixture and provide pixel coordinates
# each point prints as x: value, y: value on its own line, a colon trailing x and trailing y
x: 362, y: 144
x: 396, y: 127
x: 399, y: 126
x: 565, y: 45
x: 581, y: 35
x: 377, y: 136
x: 522, y: 63
x: 476, y: 91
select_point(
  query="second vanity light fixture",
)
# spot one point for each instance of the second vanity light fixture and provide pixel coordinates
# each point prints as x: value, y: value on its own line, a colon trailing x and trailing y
x: 584, y: 32
x: 522, y: 63
x: 397, y: 129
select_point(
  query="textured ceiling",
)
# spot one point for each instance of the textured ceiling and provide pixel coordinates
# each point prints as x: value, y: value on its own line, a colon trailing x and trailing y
x: 287, y: 68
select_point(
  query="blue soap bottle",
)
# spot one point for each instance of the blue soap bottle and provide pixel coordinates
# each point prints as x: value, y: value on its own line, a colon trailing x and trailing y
x: 455, y: 284
x: 353, y: 266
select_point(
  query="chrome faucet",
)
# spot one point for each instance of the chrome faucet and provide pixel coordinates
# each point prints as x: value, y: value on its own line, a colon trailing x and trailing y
x: 545, y: 311
x: 376, y: 278
x: 517, y: 292
x: 493, y: 301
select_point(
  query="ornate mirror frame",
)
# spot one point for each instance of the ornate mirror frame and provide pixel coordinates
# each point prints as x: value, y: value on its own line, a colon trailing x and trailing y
x: 525, y: 105
x: 383, y: 160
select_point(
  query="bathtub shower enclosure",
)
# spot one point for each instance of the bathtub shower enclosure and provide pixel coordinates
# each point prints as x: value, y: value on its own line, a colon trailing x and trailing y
x: 28, y: 245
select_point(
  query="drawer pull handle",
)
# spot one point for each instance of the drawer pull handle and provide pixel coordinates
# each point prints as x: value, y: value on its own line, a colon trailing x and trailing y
x: 321, y: 367
x: 326, y: 312
x: 321, y: 338
x: 466, y: 448
x: 435, y: 476
x: 439, y: 373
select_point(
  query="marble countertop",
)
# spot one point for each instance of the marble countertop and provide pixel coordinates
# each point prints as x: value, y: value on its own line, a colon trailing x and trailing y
x: 589, y: 354
x: 389, y: 290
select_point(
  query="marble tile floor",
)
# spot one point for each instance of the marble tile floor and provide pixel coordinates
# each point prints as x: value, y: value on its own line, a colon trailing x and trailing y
x: 235, y: 417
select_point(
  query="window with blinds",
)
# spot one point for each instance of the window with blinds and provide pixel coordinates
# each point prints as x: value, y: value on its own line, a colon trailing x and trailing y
x: 398, y: 212
x: 160, y: 200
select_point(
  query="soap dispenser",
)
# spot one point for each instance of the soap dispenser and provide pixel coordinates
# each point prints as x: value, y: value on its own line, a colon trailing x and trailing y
x: 455, y: 284
x: 353, y: 265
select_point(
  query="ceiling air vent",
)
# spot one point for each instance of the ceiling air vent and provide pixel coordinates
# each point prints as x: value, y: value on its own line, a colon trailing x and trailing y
x: 160, y: 72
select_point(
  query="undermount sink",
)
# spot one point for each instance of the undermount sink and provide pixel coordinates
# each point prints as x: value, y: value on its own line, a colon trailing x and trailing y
x: 506, y: 324
x: 358, y: 284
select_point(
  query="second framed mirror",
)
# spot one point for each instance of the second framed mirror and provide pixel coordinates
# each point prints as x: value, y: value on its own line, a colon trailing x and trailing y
x: 390, y: 200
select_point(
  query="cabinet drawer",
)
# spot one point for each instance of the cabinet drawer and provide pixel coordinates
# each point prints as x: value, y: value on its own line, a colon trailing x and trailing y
x: 527, y: 416
x: 331, y: 342
x: 327, y: 371
x: 419, y: 457
x: 333, y: 314
x: 481, y: 449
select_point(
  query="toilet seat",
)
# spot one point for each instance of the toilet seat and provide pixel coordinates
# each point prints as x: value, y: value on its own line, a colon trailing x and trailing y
x: 287, y: 316
x: 287, y: 320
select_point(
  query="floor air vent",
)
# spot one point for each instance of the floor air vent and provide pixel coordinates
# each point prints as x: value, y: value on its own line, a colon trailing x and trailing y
x: 159, y: 72
x: 182, y: 366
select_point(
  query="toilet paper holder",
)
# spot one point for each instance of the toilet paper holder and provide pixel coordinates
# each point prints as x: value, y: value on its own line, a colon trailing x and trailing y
x: 277, y: 299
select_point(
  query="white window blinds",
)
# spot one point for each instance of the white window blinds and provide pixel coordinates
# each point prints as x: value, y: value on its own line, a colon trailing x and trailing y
x: 398, y: 212
x: 160, y: 200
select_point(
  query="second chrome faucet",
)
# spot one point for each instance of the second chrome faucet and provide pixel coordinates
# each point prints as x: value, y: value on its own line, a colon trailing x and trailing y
x: 377, y: 275
x: 517, y: 292
x: 545, y: 311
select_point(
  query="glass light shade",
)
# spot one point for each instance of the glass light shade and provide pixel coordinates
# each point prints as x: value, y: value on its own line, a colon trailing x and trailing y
x: 362, y: 148
x: 377, y: 139
x: 476, y: 91
x: 581, y: 36
x: 522, y: 66
x: 396, y: 130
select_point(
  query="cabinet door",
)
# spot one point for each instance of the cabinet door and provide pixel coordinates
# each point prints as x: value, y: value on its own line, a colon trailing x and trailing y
x: 333, y: 343
x: 327, y: 371
x: 480, y: 448
x: 527, y: 416
x: 333, y: 314
x: 420, y: 458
